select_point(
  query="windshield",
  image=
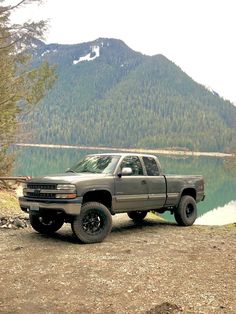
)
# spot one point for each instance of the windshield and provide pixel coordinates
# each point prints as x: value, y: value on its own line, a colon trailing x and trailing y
x: 96, y: 164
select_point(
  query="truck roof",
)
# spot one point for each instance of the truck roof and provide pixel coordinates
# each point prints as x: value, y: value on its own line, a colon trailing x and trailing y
x: 123, y: 154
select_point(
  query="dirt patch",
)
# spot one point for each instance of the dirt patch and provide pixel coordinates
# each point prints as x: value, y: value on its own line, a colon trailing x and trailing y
x: 150, y: 268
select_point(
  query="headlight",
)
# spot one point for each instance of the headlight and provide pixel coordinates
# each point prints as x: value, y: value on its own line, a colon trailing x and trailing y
x: 66, y: 187
x: 66, y: 191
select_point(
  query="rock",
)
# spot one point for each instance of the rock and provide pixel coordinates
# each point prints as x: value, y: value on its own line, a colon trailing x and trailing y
x: 13, y: 222
x: 18, y: 248
x: 3, y: 221
x: 19, y: 223
x: 4, y: 226
x: 166, y: 308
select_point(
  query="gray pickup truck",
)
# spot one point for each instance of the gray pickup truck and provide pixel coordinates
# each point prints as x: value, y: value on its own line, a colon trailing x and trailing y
x: 102, y: 185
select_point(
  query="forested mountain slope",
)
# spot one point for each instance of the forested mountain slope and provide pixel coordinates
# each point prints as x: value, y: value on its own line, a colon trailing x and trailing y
x: 107, y: 94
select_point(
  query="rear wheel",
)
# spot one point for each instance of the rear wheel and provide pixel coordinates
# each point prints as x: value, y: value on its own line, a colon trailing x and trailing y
x: 93, y: 223
x: 45, y: 224
x: 186, y: 212
x: 137, y: 215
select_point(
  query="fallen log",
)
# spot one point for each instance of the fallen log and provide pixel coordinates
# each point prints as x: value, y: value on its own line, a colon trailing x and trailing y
x: 10, y: 182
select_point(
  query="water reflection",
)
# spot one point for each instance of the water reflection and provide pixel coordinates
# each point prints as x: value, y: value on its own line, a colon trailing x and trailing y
x: 219, y: 216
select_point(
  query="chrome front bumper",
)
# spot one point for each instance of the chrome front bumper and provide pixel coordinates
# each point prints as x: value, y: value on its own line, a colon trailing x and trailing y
x: 69, y: 207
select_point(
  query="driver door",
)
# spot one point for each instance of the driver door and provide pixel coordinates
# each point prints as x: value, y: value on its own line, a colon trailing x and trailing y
x: 131, y: 191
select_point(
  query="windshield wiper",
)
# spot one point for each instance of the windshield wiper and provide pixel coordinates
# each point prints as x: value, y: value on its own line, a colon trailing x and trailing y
x: 86, y: 171
x: 70, y: 170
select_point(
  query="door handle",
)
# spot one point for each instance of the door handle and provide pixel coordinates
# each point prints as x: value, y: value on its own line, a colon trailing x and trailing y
x: 143, y: 182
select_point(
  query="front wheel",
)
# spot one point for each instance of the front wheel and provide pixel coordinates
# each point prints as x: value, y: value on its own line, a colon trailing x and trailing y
x: 45, y: 224
x: 137, y: 216
x: 93, y: 223
x: 186, y: 212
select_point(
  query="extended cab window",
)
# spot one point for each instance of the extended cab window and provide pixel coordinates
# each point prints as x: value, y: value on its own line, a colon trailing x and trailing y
x: 151, y: 166
x: 134, y: 163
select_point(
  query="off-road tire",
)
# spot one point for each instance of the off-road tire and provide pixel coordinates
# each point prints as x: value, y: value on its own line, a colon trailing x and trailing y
x: 186, y: 212
x: 44, y: 224
x: 93, y: 224
x: 137, y: 216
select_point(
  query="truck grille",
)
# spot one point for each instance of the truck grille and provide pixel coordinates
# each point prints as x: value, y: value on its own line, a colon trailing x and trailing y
x: 41, y: 190
x: 41, y: 195
x: 37, y: 186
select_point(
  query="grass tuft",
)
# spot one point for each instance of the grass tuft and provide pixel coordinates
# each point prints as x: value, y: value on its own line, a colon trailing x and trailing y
x: 9, y: 205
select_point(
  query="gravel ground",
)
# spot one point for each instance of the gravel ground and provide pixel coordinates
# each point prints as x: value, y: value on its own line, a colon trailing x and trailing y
x: 150, y: 268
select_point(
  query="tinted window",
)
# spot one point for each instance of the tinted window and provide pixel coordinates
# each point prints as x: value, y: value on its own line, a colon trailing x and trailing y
x: 134, y: 163
x: 151, y: 166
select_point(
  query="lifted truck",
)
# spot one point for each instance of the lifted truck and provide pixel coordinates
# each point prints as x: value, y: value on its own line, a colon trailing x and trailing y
x: 102, y: 185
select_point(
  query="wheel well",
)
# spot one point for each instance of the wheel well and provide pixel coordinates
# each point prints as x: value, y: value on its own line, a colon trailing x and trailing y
x: 102, y: 196
x: 190, y: 192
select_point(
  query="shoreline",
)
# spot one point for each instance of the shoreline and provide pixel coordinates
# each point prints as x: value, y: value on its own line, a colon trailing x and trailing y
x: 133, y: 150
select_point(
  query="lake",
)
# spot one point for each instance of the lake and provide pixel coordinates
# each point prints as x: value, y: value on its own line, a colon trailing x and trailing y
x: 219, y: 207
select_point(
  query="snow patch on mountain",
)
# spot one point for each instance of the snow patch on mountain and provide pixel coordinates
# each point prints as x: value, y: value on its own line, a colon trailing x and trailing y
x: 211, y: 90
x: 48, y: 51
x: 45, y: 52
x: 95, y: 53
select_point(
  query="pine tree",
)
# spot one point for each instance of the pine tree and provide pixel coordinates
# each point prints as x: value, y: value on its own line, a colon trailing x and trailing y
x: 21, y: 86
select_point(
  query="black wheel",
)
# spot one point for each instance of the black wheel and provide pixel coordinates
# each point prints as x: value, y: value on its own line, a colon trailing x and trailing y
x: 45, y: 224
x: 186, y: 212
x: 93, y: 223
x: 137, y: 215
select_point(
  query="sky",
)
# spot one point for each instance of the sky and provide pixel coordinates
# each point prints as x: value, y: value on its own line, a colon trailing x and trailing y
x: 197, y: 35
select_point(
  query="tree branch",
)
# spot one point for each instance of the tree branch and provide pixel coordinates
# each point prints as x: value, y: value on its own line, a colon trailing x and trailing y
x: 8, y: 8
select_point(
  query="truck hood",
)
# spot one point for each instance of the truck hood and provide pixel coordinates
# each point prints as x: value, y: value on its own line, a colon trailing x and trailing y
x: 68, y: 177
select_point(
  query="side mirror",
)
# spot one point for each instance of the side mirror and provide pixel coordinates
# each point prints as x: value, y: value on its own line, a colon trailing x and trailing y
x: 125, y: 172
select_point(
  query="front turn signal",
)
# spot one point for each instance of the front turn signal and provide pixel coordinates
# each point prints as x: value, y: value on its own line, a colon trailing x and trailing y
x: 64, y: 196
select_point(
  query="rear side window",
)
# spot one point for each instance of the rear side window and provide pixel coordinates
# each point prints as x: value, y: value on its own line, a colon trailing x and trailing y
x: 151, y: 166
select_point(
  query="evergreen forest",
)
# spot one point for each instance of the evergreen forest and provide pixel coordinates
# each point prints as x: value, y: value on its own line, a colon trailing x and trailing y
x: 106, y: 94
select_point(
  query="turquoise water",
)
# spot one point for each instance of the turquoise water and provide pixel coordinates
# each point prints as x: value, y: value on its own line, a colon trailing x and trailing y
x: 219, y: 174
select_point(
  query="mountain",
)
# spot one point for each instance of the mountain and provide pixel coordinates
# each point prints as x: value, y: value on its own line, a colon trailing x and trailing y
x: 109, y: 95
